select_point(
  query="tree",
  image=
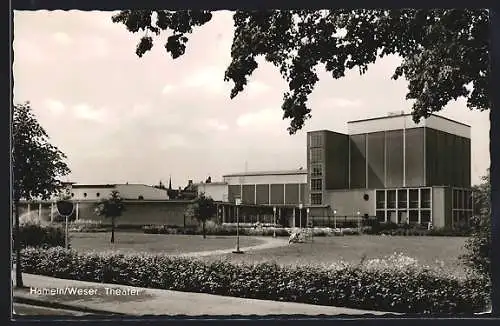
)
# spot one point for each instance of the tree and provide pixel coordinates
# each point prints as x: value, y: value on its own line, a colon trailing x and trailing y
x: 478, y: 246
x: 202, y: 209
x: 37, y: 166
x: 445, y: 52
x: 111, y: 207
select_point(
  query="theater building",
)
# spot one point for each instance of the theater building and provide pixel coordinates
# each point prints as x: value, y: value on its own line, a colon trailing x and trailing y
x: 389, y: 168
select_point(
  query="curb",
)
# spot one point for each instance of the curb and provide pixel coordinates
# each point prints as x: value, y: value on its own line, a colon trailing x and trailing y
x: 64, y: 306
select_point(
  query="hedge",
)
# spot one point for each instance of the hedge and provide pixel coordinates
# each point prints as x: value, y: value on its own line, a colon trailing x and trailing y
x: 389, y: 287
x: 38, y: 235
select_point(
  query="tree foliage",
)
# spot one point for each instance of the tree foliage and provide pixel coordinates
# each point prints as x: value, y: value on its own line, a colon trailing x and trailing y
x: 445, y: 52
x: 37, y: 164
x: 111, y: 207
x: 202, y: 209
x: 478, y: 247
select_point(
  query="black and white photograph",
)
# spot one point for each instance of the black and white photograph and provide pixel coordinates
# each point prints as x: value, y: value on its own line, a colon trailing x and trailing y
x: 251, y: 162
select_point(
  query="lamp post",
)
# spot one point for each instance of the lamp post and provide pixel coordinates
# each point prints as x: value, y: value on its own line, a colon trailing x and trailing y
x: 237, y: 251
x: 274, y: 227
x: 300, y: 216
x: 311, y: 224
x: 334, y: 219
x: 359, y: 226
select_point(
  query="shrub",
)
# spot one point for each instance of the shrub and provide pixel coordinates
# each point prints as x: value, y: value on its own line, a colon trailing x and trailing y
x: 478, y: 247
x: 86, y: 226
x: 397, y: 284
x: 41, y: 235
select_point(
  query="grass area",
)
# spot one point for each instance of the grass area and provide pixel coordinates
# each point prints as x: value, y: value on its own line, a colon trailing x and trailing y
x: 130, y: 242
x: 325, y: 250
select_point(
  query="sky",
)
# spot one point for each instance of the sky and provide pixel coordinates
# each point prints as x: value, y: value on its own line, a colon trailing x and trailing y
x: 120, y: 118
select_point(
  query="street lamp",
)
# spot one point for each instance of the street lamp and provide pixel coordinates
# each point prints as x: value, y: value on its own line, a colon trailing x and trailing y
x: 334, y: 219
x: 274, y: 227
x: 237, y: 251
x: 300, y: 216
x: 359, y: 227
x: 312, y: 228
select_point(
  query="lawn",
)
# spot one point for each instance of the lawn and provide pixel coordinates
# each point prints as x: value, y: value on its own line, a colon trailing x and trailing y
x: 130, y: 242
x: 325, y: 250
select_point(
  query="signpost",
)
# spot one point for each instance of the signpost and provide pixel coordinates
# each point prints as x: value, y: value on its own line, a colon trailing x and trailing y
x: 238, y: 203
x: 274, y: 227
x: 65, y: 208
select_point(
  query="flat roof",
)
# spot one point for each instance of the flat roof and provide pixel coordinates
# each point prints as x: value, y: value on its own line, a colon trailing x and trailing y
x: 405, y: 115
x: 282, y: 172
x: 211, y: 183
x: 106, y: 186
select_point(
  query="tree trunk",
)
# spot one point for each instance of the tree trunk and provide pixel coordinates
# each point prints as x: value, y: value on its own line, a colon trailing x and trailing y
x: 112, y: 229
x: 17, y: 246
x: 204, y: 232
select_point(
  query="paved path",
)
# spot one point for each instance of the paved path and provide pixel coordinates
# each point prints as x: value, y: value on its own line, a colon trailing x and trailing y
x: 141, y: 301
x: 268, y: 243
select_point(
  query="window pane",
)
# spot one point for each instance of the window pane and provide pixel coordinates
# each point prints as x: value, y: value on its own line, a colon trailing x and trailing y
x: 402, y: 198
x: 413, y: 217
x: 316, y: 184
x: 316, y: 170
x: 316, y: 140
x: 380, y: 198
x: 381, y: 215
x: 316, y: 199
x: 391, y: 198
x: 425, y: 217
x: 425, y: 198
x: 413, y: 198
x: 316, y: 155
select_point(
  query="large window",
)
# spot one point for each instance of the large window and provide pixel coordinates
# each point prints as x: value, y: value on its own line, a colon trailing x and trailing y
x: 316, y: 170
x: 391, y: 198
x: 402, y: 198
x: 316, y: 140
x: 413, y: 198
x: 316, y: 155
x: 380, y: 194
x: 425, y: 198
x: 316, y: 199
x: 316, y: 184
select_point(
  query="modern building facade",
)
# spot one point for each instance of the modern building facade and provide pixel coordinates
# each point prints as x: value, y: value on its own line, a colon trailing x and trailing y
x: 389, y: 168
x: 394, y: 169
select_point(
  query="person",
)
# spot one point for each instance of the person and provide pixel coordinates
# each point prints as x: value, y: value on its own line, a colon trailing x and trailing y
x: 294, y: 237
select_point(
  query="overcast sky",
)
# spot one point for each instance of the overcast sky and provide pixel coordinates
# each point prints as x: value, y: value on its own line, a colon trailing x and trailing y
x: 120, y: 118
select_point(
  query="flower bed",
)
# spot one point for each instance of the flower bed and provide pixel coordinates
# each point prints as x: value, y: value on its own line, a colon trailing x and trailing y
x: 395, y: 284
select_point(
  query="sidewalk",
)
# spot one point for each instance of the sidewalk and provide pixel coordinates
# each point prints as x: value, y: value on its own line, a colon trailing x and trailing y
x: 267, y: 243
x: 105, y: 298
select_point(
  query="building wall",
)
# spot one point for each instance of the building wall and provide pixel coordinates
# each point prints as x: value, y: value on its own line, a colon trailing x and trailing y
x: 348, y: 202
x: 217, y: 191
x: 136, y: 213
x: 91, y: 193
x: 133, y: 191
x: 376, y: 159
x: 336, y: 169
x: 357, y: 174
x: 127, y: 191
x: 439, y: 207
x: 266, y: 179
x: 448, y: 159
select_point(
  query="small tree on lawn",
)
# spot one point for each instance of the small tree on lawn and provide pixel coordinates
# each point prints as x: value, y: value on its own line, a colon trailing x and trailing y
x: 202, y: 209
x: 111, y: 207
x: 37, y: 166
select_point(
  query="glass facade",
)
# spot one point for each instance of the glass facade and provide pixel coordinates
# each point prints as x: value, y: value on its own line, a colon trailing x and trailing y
x: 316, y: 185
x: 316, y: 199
x: 462, y: 209
x: 404, y: 205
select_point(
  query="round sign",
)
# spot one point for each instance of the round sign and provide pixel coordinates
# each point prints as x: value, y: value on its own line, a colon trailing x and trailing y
x: 65, y: 207
x: 300, y: 206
